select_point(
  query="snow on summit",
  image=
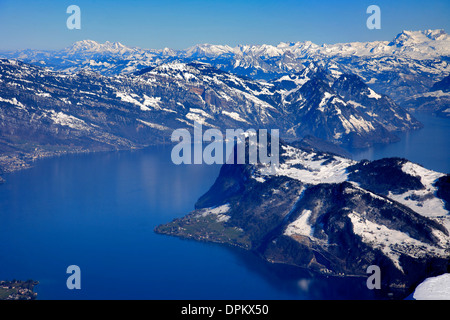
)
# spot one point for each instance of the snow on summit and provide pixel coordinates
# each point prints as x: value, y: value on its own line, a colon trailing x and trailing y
x: 413, y: 44
x: 310, y: 167
x: 93, y: 46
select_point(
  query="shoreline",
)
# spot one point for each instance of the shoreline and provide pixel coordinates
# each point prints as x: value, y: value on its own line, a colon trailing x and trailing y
x: 18, y: 290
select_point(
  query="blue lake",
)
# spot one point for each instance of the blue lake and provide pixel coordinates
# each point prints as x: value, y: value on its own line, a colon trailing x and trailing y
x: 429, y: 146
x: 98, y: 211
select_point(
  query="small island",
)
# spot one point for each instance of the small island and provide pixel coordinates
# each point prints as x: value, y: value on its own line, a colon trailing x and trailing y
x: 18, y: 290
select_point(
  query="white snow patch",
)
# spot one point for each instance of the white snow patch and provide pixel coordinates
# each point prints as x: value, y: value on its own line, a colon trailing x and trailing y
x: 67, y: 120
x: 434, y: 288
x: 13, y: 101
x: 151, y: 102
x: 391, y: 242
x: 310, y: 168
x: 259, y: 179
x: 324, y: 101
x: 144, y: 106
x: 427, y: 177
x: 202, y: 112
x: 300, y: 226
x: 361, y: 124
x: 218, y: 211
x: 234, y: 115
x: 43, y: 94
x: 153, y: 125
x: 199, y: 116
x: 373, y: 94
x: 424, y: 201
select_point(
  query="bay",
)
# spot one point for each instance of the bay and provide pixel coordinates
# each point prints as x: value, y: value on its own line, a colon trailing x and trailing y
x: 98, y: 211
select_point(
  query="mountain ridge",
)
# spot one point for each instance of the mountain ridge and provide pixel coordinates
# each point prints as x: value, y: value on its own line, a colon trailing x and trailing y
x: 56, y: 113
x: 407, y: 65
x: 313, y: 212
x: 300, y: 49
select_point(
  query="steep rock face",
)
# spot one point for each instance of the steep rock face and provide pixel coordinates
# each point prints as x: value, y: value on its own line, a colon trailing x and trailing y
x: 391, y: 116
x: 339, y: 107
x: 330, y: 214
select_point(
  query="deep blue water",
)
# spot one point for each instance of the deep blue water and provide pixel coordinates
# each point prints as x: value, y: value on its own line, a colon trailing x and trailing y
x: 429, y: 146
x: 98, y: 211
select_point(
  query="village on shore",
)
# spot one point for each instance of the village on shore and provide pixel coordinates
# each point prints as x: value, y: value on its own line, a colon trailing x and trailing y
x: 18, y: 290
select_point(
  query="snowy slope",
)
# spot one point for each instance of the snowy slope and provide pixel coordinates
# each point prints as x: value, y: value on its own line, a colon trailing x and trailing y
x: 253, y: 60
x: 434, y: 288
x: 393, y: 240
x: 314, y: 211
x: 319, y: 102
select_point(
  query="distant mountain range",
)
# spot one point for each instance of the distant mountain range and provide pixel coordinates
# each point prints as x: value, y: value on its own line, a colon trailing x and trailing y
x: 113, y: 57
x: 408, y: 65
x: 93, y: 96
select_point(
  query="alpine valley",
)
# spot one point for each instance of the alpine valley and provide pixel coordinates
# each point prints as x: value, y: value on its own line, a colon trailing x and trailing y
x: 318, y: 209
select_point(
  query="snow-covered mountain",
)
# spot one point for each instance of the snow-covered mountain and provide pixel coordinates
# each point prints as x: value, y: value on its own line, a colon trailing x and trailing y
x: 421, y: 44
x: 407, y: 66
x: 108, y: 48
x: 413, y: 59
x: 316, y: 210
x: 331, y: 215
x: 335, y: 107
x: 433, y: 288
x: 340, y: 93
x: 108, y: 58
x: 57, y: 112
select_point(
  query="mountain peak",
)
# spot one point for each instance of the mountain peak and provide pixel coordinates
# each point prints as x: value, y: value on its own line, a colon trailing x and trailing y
x: 437, y: 34
x: 85, y: 44
x: 208, y: 50
x: 96, y: 47
x: 417, y: 37
x: 114, y: 45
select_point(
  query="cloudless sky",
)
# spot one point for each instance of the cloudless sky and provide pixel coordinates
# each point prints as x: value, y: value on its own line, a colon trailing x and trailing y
x: 178, y: 24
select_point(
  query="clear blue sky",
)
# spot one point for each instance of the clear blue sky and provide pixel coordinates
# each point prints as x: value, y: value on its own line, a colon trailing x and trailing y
x: 41, y: 24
